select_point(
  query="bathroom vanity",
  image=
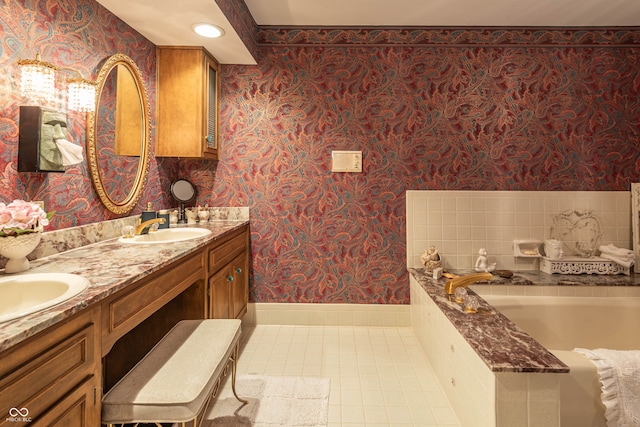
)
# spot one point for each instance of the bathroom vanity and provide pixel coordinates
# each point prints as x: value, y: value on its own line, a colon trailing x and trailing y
x: 56, y: 364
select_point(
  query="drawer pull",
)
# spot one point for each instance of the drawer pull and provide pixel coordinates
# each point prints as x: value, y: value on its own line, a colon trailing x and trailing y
x: 238, y: 270
x: 230, y: 278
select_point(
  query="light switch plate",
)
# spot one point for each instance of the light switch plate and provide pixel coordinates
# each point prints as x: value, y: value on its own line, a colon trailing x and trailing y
x: 346, y: 161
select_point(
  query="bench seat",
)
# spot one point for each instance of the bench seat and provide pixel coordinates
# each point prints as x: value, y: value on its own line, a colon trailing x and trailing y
x: 176, y: 380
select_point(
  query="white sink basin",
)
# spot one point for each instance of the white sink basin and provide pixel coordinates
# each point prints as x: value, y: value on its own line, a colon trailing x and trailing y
x: 28, y: 293
x: 167, y: 235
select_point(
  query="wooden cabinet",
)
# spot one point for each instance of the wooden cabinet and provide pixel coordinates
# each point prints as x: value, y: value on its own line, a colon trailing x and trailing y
x: 228, y: 277
x: 54, y: 378
x: 239, y: 294
x: 187, y: 103
x: 57, y: 377
x: 125, y: 310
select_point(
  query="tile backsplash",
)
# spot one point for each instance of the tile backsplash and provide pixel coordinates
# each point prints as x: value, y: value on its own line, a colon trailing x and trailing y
x: 459, y: 223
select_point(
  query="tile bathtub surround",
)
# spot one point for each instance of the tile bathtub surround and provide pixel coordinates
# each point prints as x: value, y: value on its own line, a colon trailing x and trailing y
x: 501, y: 345
x: 459, y: 223
x: 457, y: 346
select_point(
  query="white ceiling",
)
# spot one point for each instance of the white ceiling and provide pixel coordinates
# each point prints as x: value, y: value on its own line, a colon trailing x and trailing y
x: 168, y: 22
x: 446, y: 12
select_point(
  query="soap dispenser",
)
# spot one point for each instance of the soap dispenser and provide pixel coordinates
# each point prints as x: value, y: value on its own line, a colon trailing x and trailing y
x: 149, y: 213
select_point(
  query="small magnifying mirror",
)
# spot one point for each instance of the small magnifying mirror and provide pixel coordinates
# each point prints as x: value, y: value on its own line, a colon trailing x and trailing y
x: 183, y: 191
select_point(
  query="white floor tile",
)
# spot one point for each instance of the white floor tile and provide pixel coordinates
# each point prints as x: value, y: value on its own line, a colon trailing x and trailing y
x: 379, y: 375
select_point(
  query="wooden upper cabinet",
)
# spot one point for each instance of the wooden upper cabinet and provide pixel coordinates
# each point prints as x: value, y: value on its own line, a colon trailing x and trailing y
x: 187, y: 103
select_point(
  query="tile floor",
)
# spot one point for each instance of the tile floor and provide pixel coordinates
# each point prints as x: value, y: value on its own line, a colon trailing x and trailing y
x: 379, y: 375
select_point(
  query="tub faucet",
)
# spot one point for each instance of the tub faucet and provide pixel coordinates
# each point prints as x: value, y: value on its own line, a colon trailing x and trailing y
x: 143, y: 228
x: 464, y: 281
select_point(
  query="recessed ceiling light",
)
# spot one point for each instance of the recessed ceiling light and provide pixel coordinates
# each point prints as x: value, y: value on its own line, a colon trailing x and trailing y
x: 208, y: 30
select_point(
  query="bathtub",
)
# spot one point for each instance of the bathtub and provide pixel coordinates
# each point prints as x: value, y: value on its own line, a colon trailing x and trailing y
x: 564, y: 323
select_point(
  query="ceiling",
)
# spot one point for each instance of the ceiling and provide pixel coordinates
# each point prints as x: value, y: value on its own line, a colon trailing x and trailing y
x: 446, y: 12
x: 168, y: 22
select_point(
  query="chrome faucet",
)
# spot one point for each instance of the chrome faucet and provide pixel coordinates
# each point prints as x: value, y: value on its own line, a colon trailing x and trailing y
x: 143, y: 228
x: 464, y: 281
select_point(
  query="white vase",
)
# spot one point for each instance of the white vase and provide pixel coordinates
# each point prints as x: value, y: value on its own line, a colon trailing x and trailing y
x: 16, y: 249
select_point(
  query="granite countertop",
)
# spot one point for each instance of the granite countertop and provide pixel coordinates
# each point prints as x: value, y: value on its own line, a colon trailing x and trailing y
x: 538, y: 278
x: 109, y: 266
x: 502, y: 345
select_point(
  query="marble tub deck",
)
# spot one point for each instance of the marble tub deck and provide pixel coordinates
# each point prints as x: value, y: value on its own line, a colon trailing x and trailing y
x: 502, y: 345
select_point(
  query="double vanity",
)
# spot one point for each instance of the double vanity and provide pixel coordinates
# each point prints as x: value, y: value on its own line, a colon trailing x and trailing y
x: 57, y: 363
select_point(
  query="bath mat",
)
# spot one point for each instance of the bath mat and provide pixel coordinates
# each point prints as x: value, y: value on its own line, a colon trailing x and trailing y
x: 273, y: 401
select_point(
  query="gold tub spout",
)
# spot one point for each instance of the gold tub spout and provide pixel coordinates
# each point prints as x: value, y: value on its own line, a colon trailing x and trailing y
x: 141, y: 227
x: 464, y: 281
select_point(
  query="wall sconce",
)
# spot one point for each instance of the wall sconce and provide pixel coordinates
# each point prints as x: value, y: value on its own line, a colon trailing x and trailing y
x: 37, y: 80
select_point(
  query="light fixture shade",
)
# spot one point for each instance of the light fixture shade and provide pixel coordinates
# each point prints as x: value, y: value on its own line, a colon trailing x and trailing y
x: 82, y: 95
x: 208, y: 30
x: 37, y: 79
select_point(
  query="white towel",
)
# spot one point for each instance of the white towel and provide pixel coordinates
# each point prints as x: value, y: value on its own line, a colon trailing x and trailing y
x: 619, y: 372
x: 620, y: 253
x: 624, y: 257
x: 623, y: 262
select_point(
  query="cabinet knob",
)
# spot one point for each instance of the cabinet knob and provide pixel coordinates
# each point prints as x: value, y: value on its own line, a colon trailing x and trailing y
x: 230, y: 278
x: 238, y: 270
x: 209, y: 138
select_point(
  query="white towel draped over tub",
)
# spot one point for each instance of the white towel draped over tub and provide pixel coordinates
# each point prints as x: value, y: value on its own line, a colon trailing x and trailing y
x: 619, y: 372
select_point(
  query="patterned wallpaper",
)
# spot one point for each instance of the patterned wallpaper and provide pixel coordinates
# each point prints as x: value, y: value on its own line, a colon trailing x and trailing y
x: 474, y: 114
x: 472, y: 109
x: 80, y: 34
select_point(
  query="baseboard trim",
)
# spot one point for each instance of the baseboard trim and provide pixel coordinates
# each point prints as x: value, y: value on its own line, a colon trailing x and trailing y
x: 391, y: 315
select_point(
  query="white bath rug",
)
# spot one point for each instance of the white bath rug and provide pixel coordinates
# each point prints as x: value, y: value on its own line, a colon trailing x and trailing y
x: 273, y: 401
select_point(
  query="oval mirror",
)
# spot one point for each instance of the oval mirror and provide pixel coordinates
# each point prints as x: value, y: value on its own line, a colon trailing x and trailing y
x: 118, y: 135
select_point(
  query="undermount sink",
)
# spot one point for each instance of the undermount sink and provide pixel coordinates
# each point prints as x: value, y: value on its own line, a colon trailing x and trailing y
x: 27, y: 293
x: 167, y: 235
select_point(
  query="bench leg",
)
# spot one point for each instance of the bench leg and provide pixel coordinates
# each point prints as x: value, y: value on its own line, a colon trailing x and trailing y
x: 233, y: 372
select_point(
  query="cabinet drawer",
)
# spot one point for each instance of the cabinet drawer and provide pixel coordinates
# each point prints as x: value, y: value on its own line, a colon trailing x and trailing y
x: 78, y: 408
x: 126, y: 311
x: 223, y: 254
x: 63, y: 359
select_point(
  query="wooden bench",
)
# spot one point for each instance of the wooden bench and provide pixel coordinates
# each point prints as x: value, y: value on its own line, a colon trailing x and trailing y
x: 177, y: 379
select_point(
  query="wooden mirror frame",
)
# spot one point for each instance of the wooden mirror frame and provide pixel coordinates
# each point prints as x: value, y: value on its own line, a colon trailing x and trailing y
x: 133, y: 195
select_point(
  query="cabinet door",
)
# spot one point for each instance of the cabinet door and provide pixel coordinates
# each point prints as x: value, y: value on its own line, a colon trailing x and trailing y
x: 219, y: 288
x: 239, y: 287
x: 187, y: 103
x: 211, y: 106
x: 55, y: 368
x: 76, y: 409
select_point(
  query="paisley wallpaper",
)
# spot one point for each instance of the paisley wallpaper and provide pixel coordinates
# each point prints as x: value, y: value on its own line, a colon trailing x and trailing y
x: 479, y: 110
x: 80, y: 34
x: 468, y: 109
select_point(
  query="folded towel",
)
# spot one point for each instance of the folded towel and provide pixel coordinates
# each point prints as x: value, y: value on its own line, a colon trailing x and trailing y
x: 620, y: 379
x: 617, y: 252
x: 622, y: 262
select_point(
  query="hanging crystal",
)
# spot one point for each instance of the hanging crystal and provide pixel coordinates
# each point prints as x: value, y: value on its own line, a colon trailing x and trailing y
x: 37, y: 78
x: 82, y: 95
